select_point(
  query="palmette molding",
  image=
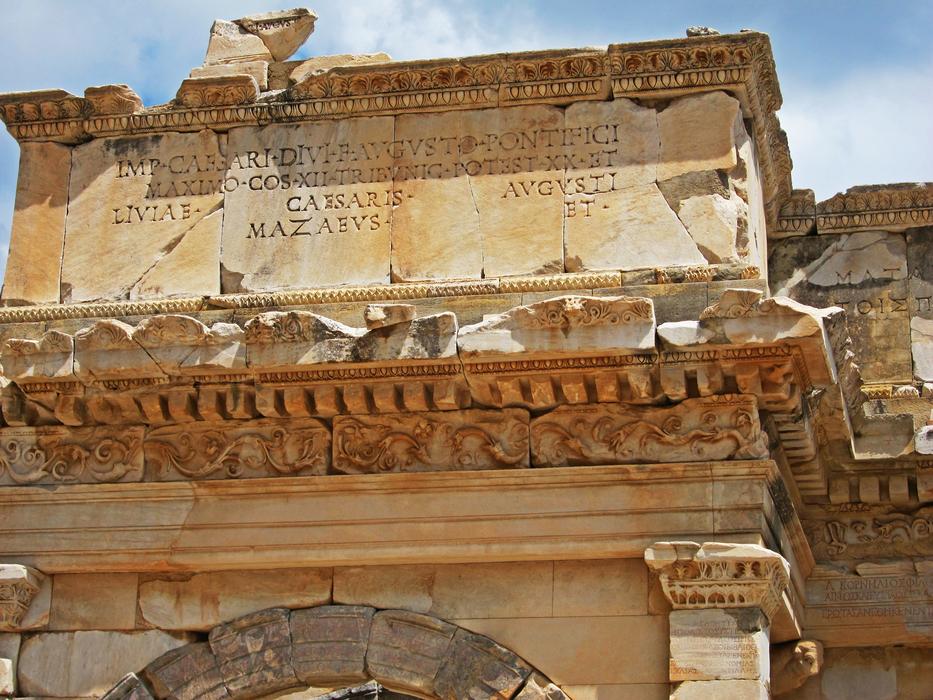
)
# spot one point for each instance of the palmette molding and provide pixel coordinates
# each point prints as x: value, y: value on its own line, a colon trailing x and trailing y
x: 718, y: 575
x: 18, y: 586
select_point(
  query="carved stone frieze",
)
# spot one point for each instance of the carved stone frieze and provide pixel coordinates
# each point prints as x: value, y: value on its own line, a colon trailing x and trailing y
x: 238, y: 450
x: 717, y: 575
x: 715, y: 428
x: 402, y: 442
x: 219, y: 91
x: 873, y: 207
x: 871, y: 535
x: 50, y: 358
x: 18, y: 586
x: 797, y: 215
x: 57, y: 455
x: 112, y: 99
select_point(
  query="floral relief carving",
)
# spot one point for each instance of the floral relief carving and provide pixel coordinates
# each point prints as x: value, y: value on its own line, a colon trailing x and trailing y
x: 576, y: 312
x: 55, y: 455
x: 906, y: 534
x: 18, y: 587
x: 695, y: 430
x: 421, y: 441
x: 229, y: 450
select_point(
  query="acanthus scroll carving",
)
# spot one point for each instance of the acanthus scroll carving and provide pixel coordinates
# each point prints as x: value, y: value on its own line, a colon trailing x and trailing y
x: 18, y: 587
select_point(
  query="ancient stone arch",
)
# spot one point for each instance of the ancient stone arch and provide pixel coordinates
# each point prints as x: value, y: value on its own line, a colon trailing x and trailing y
x: 331, y: 646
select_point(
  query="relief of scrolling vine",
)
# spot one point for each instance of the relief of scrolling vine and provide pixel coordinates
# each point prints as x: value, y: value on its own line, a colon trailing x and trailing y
x: 889, y: 530
x: 382, y: 448
x: 27, y: 462
x: 198, y: 455
x: 640, y: 439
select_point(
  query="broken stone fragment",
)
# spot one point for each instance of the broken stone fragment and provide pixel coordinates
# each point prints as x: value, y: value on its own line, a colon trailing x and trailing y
x: 230, y: 43
x: 259, y: 70
x: 700, y: 30
x: 382, y: 315
x: 113, y: 99
x: 698, y: 133
x: 283, y: 32
x: 219, y: 91
x: 299, y: 70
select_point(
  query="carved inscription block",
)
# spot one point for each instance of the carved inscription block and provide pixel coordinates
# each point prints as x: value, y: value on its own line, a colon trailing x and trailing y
x: 309, y: 205
x: 888, y: 609
x: 144, y: 217
x: 695, y: 430
x: 719, y: 645
x: 404, y: 442
x: 865, y: 273
x: 254, y: 448
x: 61, y: 455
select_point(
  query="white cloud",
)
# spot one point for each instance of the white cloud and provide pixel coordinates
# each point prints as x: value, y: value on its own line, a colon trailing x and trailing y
x: 873, y: 127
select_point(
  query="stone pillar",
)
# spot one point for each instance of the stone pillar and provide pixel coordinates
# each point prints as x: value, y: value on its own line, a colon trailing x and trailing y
x: 723, y: 598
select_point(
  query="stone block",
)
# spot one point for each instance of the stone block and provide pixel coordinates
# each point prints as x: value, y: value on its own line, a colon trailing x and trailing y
x: 600, y: 587
x: 537, y: 687
x: 94, y: 601
x: 256, y: 448
x: 258, y: 70
x: 693, y: 430
x: 282, y: 31
x: 130, y: 687
x: 475, y: 667
x: 133, y: 204
x: 37, y: 235
x: 188, y: 673
x: 629, y: 691
x: 450, y: 591
x: 303, y: 212
x: 9, y: 653
x: 81, y: 664
x: 207, y: 599
x: 585, y: 650
x: 254, y: 653
x: 471, y: 439
x: 715, y: 690
x: 698, y: 133
x: 329, y: 644
x: 231, y: 43
x: 719, y: 644
x: 406, y: 650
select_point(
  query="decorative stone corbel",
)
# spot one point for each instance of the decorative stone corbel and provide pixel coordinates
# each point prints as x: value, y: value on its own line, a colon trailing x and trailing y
x: 793, y: 664
x: 18, y: 586
x: 717, y: 575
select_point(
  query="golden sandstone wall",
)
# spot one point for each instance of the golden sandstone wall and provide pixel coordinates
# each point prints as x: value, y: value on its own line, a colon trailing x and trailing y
x: 518, y: 376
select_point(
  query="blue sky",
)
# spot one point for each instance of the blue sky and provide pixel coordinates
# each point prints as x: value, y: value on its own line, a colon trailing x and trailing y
x: 857, y: 77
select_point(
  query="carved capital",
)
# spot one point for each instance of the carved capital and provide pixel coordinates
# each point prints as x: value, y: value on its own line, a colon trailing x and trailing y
x: 718, y: 575
x: 18, y: 586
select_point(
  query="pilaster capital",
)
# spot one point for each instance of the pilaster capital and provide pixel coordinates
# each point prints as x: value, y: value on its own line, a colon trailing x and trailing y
x: 18, y: 586
x: 719, y: 575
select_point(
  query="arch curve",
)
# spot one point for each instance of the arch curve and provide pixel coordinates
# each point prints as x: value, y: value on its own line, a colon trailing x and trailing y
x: 328, y: 646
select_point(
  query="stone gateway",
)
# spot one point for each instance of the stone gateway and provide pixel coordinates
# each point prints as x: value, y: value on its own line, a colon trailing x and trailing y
x: 523, y: 377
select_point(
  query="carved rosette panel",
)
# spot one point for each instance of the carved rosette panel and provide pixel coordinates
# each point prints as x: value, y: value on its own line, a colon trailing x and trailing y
x: 60, y: 455
x: 408, y: 442
x: 715, y: 428
x: 238, y: 450
x: 18, y: 586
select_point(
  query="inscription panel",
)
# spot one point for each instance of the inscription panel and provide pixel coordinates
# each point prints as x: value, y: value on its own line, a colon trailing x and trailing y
x: 717, y: 644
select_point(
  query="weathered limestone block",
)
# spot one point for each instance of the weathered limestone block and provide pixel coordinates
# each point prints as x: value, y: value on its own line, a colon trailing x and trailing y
x: 187, y: 673
x: 333, y: 229
x: 257, y: 70
x: 282, y: 31
x: 51, y: 357
x: 255, y: 653
x: 475, y: 666
x: 256, y: 448
x: 712, y: 222
x: 9, y: 658
x: 231, y: 43
x: 81, y: 664
x: 865, y: 273
x: 719, y: 644
x: 697, y: 133
x: 395, y: 635
x: 715, y: 428
x: 19, y: 586
x: 94, y: 601
x: 714, y: 690
x: 568, y: 324
x: 130, y: 687
x: 107, y: 351
x: 133, y: 202
x: 37, y: 235
x: 329, y: 644
x: 284, y: 75
x: 182, y: 345
x: 58, y: 454
x: 793, y: 664
x: 207, y: 599
x: 382, y: 315
x: 921, y: 347
x: 296, y: 339
x: 470, y: 439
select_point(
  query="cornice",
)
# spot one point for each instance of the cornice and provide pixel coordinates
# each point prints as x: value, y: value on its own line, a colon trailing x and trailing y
x: 741, y: 63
